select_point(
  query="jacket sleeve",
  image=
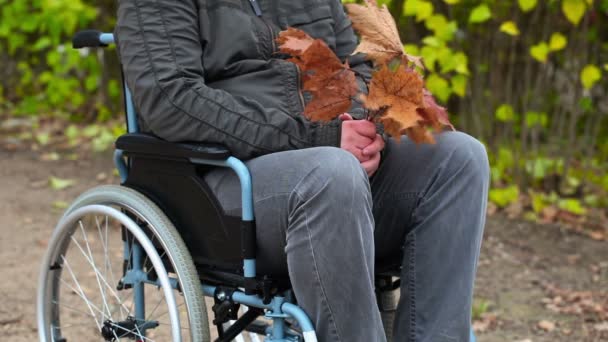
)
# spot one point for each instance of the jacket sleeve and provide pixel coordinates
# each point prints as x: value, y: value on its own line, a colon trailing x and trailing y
x: 346, y: 43
x: 161, y: 53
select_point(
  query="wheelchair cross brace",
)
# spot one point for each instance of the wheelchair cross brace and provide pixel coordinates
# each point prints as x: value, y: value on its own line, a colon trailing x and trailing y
x: 278, y: 310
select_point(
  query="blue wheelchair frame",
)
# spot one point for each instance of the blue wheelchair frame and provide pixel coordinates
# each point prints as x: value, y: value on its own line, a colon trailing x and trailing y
x: 280, y: 308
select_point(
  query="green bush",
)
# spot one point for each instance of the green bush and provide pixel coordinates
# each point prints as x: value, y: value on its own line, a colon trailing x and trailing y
x: 527, y: 77
x: 41, y: 74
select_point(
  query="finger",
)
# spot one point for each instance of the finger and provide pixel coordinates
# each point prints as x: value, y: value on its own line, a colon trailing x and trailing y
x: 371, y: 165
x: 366, y: 128
x: 359, y: 155
x: 345, y: 117
x: 376, y: 146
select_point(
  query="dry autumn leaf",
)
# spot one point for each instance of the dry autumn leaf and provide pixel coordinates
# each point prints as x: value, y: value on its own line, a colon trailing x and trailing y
x: 395, y: 97
x: 330, y: 82
x: 379, y: 35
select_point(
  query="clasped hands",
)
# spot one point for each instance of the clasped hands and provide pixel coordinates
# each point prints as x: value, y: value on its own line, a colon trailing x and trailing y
x: 359, y: 137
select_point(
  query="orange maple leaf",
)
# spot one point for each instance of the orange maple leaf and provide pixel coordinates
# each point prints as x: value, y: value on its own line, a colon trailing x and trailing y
x: 331, y: 83
x: 396, y: 97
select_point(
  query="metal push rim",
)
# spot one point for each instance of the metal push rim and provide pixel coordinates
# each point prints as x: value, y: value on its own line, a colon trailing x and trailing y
x: 58, y: 245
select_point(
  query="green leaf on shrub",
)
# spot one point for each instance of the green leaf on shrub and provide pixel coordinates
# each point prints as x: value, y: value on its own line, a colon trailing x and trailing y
x: 536, y: 119
x: 538, y: 201
x: 540, y: 52
x: 505, y: 113
x: 572, y: 205
x: 502, y: 197
x: 411, y: 49
x: 444, y: 30
x: 439, y: 87
x: 557, y: 41
x: 431, y: 41
x: 459, y: 85
x: 91, y: 82
x: 430, y: 57
x: 425, y: 10
x: 590, y: 75
x: 574, y: 10
x: 421, y: 9
x: 527, y: 5
x: 586, y: 104
x: 510, y: 28
x: 42, y: 43
x: 480, y: 14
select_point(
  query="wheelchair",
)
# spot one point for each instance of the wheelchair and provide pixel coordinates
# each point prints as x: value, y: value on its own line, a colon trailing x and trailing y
x: 135, y: 261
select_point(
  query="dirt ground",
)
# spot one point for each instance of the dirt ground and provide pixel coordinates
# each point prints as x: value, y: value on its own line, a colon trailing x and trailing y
x: 528, y: 273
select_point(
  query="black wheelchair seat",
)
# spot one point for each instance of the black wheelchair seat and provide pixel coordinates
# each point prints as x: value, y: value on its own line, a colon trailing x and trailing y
x: 165, y: 173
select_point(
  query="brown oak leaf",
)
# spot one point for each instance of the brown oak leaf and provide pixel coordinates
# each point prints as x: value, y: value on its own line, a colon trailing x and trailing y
x: 396, y: 97
x: 379, y: 34
x: 331, y: 83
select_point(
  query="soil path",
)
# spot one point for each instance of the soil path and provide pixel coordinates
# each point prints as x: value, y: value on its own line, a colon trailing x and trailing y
x: 520, y: 261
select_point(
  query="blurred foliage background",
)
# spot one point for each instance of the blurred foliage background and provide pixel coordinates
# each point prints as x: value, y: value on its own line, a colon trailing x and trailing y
x: 527, y: 77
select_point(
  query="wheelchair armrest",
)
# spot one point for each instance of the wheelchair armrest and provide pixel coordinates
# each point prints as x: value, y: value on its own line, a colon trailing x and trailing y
x: 141, y: 143
x: 91, y: 38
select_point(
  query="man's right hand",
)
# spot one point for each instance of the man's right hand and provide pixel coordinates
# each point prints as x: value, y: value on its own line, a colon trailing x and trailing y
x: 359, y: 138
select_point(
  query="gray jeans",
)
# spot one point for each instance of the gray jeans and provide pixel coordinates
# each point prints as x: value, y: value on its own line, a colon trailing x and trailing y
x: 320, y: 216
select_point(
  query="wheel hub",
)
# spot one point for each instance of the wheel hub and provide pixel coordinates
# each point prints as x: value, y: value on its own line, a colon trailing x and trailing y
x: 112, y: 331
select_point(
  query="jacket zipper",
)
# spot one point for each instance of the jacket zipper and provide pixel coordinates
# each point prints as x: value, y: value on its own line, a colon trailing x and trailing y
x: 258, y: 12
x: 299, y: 86
x: 271, y: 31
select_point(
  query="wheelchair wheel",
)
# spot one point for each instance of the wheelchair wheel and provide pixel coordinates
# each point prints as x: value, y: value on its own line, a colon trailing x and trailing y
x: 116, y: 269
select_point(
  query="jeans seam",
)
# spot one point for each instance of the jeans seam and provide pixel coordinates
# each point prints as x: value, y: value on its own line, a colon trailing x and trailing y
x: 318, y: 276
x: 412, y: 284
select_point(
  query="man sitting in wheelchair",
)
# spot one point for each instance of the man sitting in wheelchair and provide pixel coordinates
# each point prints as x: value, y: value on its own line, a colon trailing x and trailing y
x: 335, y: 204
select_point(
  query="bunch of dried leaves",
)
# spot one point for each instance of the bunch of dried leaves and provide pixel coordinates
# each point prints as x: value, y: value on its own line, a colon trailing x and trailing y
x: 397, y: 97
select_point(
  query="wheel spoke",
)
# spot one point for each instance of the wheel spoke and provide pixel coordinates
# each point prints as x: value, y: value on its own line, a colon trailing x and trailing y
x: 71, y: 308
x: 83, y: 297
x: 155, y: 307
x: 166, y: 312
x: 104, y: 245
x: 136, y: 330
x: 97, y: 273
x: 81, y: 294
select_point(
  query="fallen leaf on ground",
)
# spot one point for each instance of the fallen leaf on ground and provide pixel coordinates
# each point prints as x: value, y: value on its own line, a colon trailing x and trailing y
x: 60, y: 204
x: 59, y: 184
x: 601, y: 326
x: 101, y: 176
x: 546, y: 325
x: 487, y: 322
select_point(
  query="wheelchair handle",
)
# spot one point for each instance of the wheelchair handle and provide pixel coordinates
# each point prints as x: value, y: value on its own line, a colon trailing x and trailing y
x: 92, y: 38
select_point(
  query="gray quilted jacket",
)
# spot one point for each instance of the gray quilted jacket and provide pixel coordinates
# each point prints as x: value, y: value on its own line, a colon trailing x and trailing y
x: 207, y: 70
